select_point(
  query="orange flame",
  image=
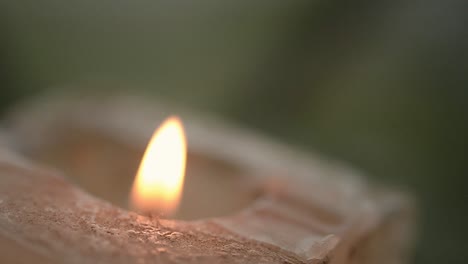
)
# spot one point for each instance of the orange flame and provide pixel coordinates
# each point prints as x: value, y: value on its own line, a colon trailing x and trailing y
x: 158, y: 184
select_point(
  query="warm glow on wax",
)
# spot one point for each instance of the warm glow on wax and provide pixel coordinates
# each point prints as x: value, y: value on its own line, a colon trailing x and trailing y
x: 158, y: 184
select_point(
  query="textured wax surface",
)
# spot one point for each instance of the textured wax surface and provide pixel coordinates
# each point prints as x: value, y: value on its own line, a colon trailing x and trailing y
x: 48, y: 217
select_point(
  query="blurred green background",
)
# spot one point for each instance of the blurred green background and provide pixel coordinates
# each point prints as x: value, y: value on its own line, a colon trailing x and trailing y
x: 381, y: 84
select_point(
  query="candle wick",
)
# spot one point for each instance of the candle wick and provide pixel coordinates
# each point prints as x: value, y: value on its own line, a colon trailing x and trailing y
x: 153, y: 217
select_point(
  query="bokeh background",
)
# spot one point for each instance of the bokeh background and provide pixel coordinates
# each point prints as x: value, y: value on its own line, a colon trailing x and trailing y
x: 381, y: 84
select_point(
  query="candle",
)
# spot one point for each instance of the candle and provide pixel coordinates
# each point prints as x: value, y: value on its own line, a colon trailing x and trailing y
x: 294, y: 208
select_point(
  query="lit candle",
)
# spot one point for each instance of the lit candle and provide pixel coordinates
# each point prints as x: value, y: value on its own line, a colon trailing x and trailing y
x: 301, y: 209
